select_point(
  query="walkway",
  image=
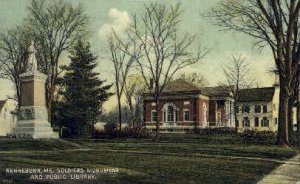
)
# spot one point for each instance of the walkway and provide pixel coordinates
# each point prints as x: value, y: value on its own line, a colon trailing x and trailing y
x: 287, y: 173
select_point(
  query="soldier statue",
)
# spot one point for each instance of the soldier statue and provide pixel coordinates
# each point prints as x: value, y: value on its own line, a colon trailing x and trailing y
x: 32, y: 63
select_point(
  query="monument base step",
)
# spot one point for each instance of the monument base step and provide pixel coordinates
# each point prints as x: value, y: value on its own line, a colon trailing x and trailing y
x: 35, y: 129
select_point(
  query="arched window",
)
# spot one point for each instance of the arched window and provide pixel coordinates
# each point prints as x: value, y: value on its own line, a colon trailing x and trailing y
x: 170, y: 112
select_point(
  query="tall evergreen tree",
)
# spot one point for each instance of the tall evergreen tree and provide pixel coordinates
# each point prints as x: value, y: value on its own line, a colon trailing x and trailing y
x: 83, y: 92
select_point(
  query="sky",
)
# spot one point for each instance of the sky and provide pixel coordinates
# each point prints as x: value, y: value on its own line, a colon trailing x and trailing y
x: 104, y: 14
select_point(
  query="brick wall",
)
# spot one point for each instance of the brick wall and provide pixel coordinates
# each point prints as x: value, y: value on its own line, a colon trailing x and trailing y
x: 195, y: 107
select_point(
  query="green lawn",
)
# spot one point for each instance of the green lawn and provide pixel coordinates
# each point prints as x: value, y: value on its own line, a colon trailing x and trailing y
x: 179, y: 158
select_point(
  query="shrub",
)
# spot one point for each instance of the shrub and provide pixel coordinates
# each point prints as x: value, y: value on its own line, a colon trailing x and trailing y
x: 259, y: 136
x: 220, y: 130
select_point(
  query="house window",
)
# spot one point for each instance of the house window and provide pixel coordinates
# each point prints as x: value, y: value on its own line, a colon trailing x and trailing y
x: 246, y: 109
x: 237, y: 122
x: 256, y: 121
x: 265, y: 109
x: 153, y: 115
x: 246, y: 122
x: 170, y: 114
x: 265, y: 122
x: 186, y: 115
x: 257, y: 109
x: 275, y: 121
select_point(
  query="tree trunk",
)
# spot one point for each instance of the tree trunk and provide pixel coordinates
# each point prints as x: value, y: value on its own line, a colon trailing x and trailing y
x: 137, y: 113
x: 157, y: 119
x: 131, y: 109
x: 119, y: 105
x: 297, y: 96
x: 18, y: 93
x: 283, y: 114
x: 120, y: 112
x: 49, y: 100
x: 53, y: 116
x: 131, y: 112
x: 298, y: 121
x: 51, y: 111
x: 49, y: 107
x: 290, y: 121
x: 235, y: 116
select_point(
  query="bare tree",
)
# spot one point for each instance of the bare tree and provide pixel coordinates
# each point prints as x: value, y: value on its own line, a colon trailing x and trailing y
x: 195, y: 78
x: 122, y: 65
x: 54, y: 27
x: 237, y: 77
x: 161, y: 51
x: 134, y: 88
x: 272, y: 23
x: 13, y: 57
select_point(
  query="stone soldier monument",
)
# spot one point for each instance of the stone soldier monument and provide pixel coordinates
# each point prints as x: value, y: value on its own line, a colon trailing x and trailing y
x: 33, y: 115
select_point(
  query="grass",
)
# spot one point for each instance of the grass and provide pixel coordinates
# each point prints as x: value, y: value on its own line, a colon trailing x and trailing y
x: 179, y: 158
x: 7, y: 144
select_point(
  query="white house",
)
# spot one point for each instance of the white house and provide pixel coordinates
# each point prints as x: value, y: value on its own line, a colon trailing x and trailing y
x: 100, y: 125
x: 8, y: 116
x: 258, y: 108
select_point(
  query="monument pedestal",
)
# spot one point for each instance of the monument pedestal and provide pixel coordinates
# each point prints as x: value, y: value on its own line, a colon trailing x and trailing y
x: 33, y: 115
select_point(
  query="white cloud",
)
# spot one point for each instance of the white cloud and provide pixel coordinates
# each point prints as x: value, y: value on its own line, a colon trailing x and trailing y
x: 119, y: 21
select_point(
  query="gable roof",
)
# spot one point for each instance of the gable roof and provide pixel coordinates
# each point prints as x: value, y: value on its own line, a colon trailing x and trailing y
x: 217, y: 91
x: 180, y: 85
x: 256, y: 94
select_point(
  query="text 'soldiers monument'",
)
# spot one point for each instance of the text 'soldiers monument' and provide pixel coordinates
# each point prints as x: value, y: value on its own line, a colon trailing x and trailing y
x: 33, y: 115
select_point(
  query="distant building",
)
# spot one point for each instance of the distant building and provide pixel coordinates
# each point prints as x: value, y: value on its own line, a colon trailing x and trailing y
x: 257, y: 109
x: 100, y: 125
x: 8, y: 116
x: 184, y: 106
